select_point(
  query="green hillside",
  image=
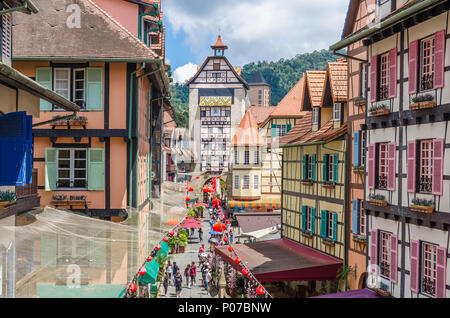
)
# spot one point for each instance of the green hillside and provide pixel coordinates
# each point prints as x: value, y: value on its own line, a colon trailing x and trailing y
x: 281, y: 75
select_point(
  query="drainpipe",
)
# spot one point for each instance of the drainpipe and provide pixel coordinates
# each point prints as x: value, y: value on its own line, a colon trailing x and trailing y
x: 55, y: 119
x: 345, y: 193
x: 130, y: 112
x: 156, y: 12
x: 26, y: 5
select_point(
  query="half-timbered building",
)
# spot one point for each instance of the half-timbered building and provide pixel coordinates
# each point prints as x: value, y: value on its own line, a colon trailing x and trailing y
x: 407, y: 181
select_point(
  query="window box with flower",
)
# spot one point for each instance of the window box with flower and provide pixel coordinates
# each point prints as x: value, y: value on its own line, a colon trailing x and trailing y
x: 422, y: 205
x: 329, y: 185
x: 328, y: 241
x: 360, y: 101
x: 379, y: 110
x: 422, y: 102
x: 307, y: 182
x: 307, y: 234
x: 378, y: 200
x: 360, y: 239
x: 7, y: 198
x: 78, y: 121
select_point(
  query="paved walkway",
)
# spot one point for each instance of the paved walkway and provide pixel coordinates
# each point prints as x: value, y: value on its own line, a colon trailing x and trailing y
x: 191, y: 255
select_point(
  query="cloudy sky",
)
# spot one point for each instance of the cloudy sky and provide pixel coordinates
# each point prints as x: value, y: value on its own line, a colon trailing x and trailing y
x: 254, y: 30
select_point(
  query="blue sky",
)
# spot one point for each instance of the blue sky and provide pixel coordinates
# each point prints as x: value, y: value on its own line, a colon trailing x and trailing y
x: 254, y: 30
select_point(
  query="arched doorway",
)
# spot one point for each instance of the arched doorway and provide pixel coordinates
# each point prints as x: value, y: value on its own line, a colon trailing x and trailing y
x: 362, y: 281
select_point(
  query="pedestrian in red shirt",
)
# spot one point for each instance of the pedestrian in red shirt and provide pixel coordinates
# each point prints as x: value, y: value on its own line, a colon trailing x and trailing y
x: 193, y: 273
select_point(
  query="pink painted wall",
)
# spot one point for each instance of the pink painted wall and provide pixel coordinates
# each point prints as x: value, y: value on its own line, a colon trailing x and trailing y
x: 125, y: 12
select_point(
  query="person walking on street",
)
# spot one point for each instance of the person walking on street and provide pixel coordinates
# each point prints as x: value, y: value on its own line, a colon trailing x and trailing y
x: 175, y: 271
x: 169, y: 270
x: 178, y: 283
x: 231, y: 236
x: 166, y: 283
x: 187, y: 274
x: 193, y: 273
x: 208, y: 281
x: 200, y: 235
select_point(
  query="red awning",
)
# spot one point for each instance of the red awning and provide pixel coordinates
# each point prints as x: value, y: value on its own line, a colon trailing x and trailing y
x: 282, y: 260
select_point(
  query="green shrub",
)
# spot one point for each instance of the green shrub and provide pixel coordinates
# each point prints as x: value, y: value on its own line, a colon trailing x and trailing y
x: 6, y: 196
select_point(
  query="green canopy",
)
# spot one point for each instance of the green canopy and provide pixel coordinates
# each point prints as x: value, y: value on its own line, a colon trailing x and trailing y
x: 164, y: 249
x: 84, y: 291
x: 151, y: 274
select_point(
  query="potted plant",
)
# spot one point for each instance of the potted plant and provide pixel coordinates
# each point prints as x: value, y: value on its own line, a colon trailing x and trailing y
x: 422, y: 205
x: 173, y: 244
x: 77, y: 199
x: 422, y: 102
x: 359, y: 169
x: 343, y: 273
x: 328, y: 241
x: 360, y: 101
x: 377, y: 199
x: 379, y: 110
x: 7, y: 198
x: 78, y: 121
x: 383, y: 290
x: 329, y: 184
x: 307, y: 234
x: 307, y: 182
x: 361, y: 239
x: 183, y: 240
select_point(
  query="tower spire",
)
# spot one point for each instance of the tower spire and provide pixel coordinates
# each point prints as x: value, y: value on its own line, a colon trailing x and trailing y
x: 219, y: 48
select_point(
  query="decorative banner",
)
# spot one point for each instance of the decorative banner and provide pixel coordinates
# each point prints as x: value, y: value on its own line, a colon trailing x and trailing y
x: 216, y: 101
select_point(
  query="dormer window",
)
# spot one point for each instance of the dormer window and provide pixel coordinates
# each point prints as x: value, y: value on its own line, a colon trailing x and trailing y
x: 315, y: 116
x: 385, y: 7
x: 337, y: 111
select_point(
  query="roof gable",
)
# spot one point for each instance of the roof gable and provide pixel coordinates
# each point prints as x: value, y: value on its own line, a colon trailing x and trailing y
x: 315, y: 84
x: 100, y: 36
x: 247, y: 133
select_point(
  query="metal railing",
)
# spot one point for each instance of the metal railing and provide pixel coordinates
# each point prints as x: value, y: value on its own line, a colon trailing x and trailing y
x: 425, y: 184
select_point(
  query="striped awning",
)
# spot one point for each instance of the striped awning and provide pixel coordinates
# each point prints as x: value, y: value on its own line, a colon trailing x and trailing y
x: 264, y: 202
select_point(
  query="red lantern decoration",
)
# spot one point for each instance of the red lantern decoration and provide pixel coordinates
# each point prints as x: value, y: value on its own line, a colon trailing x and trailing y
x: 191, y: 189
x: 237, y: 260
x: 188, y: 199
x: 166, y: 239
x: 245, y: 271
x: 172, y: 233
x: 133, y: 287
x: 197, y: 177
x: 149, y: 259
x: 224, y: 227
x: 142, y: 271
x: 260, y: 290
x: 225, y: 239
x: 158, y: 247
x: 217, y: 227
x: 230, y: 249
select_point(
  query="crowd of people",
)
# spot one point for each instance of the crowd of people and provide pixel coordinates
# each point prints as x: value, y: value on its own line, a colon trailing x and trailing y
x: 174, y: 275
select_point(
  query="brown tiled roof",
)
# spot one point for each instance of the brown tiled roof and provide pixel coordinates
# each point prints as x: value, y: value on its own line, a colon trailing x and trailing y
x: 260, y: 113
x: 325, y: 133
x: 299, y: 130
x: 337, y: 75
x: 100, y: 36
x: 247, y: 133
x: 292, y: 104
x: 316, y: 84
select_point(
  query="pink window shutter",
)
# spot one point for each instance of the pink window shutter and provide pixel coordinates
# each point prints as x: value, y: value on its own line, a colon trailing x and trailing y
x: 412, y: 80
x: 393, y: 273
x: 393, y: 73
x: 391, y: 165
x: 438, y: 166
x: 411, y: 175
x: 373, y: 78
x: 414, y: 260
x: 441, y: 271
x: 439, y: 59
x: 371, y: 166
x: 374, y: 247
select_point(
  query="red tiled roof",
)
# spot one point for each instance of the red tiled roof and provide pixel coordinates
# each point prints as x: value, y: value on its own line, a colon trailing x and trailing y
x: 292, y: 104
x: 247, y: 133
x: 219, y: 43
x: 337, y: 75
x: 316, y: 84
x: 325, y: 133
x: 260, y: 113
x: 298, y: 131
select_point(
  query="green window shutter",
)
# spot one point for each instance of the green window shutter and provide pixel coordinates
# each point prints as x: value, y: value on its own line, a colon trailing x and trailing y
x: 48, y: 249
x: 323, y: 223
x: 313, y: 167
x: 335, y: 216
x: 336, y: 168
x: 50, y: 169
x: 96, y: 169
x: 94, y: 88
x: 304, y: 209
x: 288, y: 128
x: 305, y: 167
x: 97, y: 248
x: 274, y: 130
x: 325, y: 168
x: 44, y: 78
x: 313, y: 220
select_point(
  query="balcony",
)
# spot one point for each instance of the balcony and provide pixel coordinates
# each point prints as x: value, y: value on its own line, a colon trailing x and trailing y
x: 426, y: 82
x: 429, y: 286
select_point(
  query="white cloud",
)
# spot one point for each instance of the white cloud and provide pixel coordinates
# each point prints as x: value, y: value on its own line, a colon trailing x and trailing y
x: 258, y: 29
x: 185, y: 72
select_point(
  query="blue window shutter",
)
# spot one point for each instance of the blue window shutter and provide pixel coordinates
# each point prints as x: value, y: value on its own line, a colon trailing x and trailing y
x: 356, y: 148
x: 305, y: 167
x: 13, y: 147
x: 50, y: 169
x: 274, y: 130
x: 325, y: 168
x: 304, y: 209
x: 29, y: 149
x: 94, y: 88
x: 355, y: 217
x: 335, y: 217
x: 313, y: 220
x: 313, y: 167
x: 44, y: 77
x: 323, y: 223
x: 336, y: 168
